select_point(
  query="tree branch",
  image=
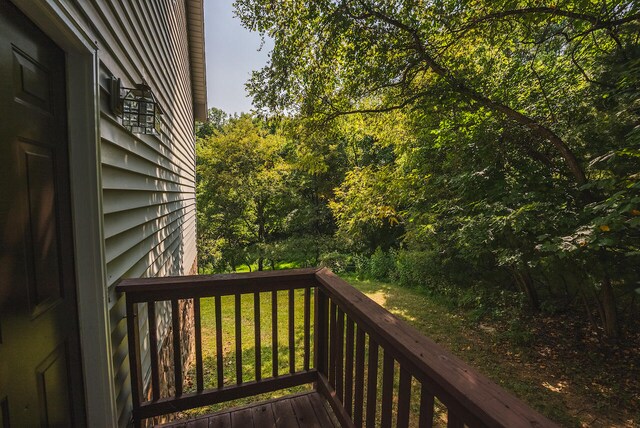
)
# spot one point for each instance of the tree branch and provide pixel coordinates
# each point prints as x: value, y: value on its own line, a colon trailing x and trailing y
x: 403, y: 104
x: 595, y: 20
x: 461, y: 88
x: 541, y: 85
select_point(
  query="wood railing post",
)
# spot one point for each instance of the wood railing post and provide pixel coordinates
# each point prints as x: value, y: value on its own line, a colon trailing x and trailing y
x: 320, y: 331
x: 134, y: 360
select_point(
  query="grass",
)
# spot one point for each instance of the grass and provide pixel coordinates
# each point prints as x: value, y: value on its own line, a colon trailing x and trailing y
x: 452, y: 330
x: 207, y: 308
x: 564, y: 389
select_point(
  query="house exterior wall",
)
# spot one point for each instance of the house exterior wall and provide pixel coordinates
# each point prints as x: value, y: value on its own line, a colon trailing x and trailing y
x: 148, y: 190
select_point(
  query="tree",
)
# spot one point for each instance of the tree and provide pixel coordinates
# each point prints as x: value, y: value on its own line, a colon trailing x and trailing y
x: 241, y: 193
x: 216, y: 120
x: 521, y: 123
x: 330, y: 56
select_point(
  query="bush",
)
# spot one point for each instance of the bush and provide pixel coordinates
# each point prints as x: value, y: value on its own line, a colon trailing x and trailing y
x: 413, y: 269
x: 381, y: 265
x: 361, y: 263
x: 518, y: 333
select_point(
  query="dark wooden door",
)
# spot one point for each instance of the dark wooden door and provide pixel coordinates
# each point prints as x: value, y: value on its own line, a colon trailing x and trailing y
x: 40, y: 366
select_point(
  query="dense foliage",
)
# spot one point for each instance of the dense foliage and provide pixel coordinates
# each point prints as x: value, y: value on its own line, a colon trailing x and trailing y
x: 491, y: 144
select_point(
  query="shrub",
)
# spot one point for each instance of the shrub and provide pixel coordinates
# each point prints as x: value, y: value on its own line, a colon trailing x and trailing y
x: 381, y: 265
x: 413, y: 269
x: 361, y: 263
x: 518, y: 333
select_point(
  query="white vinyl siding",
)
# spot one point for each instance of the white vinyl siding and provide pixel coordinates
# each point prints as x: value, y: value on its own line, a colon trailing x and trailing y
x: 148, y: 181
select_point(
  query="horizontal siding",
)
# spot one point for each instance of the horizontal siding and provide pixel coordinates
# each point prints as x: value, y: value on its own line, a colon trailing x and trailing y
x: 117, y: 140
x: 121, y: 177
x: 115, y: 201
x: 150, y: 222
x: 148, y: 181
x: 151, y: 255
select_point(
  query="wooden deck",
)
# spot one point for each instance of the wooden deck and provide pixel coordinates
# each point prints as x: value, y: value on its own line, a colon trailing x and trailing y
x: 306, y: 410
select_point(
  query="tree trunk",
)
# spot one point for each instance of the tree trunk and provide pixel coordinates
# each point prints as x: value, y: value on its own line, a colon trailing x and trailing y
x: 609, y: 310
x: 260, y: 263
x: 525, y: 282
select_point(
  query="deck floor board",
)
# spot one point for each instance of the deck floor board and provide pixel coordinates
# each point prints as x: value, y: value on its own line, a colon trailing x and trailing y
x: 294, y: 411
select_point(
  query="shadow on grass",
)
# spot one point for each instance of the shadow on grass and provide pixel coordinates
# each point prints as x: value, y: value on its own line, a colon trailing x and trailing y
x: 481, y: 348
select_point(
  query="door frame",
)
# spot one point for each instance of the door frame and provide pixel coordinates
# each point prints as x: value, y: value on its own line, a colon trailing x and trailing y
x: 57, y: 21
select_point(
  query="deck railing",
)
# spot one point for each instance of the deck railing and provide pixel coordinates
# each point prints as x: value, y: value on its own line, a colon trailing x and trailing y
x: 373, y: 368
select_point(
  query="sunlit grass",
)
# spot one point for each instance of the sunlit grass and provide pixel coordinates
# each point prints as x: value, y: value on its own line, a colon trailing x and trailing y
x: 279, y: 266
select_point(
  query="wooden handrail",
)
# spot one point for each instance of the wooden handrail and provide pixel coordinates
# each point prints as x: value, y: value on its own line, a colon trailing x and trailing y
x: 355, y: 341
x: 190, y: 286
x: 470, y: 395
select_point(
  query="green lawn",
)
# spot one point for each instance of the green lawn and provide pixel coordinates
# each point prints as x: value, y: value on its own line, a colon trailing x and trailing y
x: 207, y: 309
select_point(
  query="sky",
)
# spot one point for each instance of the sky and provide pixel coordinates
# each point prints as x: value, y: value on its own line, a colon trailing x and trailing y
x: 232, y: 53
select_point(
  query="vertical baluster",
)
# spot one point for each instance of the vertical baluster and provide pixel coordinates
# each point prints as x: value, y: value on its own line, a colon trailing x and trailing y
x: 359, y: 380
x: 387, y: 389
x: 404, y: 398
x: 177, y: 353
x: 274, y: 332
x: 153, y: 350
x: 198, y: 342
x: 258, y: 341
x: 332, y: 344
x: 348, y: 368
x: 320, y: 339
x: 307, y: 327
x: 292, y: 344
x: 238, y: 323
x: 340, y: 355
x: 372, y: 383
x: 134, y: 359
x: 219, y: 356
x: 426, y: 408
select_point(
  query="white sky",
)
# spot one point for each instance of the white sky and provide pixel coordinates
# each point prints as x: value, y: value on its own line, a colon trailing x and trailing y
x: 232, y: 53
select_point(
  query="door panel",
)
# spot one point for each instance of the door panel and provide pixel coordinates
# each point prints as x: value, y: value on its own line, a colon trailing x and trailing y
x: 31, y: 82
x: 43, y: 275
x: 53, y: 392
x: 40, y: 366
